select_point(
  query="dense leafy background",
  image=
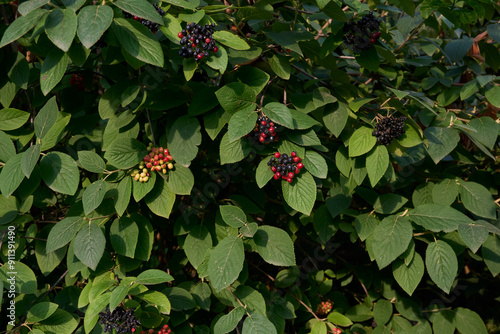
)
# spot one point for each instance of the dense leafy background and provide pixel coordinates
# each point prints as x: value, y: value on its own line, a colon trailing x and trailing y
x: 400, y: 239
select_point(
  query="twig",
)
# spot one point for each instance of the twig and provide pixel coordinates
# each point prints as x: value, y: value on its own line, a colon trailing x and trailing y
x: 307, y: 307
x: 323, y: 27
x: 23, y: 236
x: 308, y: 75
x: 299, y: 10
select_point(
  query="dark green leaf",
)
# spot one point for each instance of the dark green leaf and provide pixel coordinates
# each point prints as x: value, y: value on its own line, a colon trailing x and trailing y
x: 184, y: 137
x: 93, y: 21
x: 473, y: 235
x: 21, y: 26
x: 301, y: 193
x: 389, y: 203
x: 231, y: 40
x: 241, y: 124
x: 231, y: 152
x: 91, y: 161
x: 361, y: 141
x: 391, y: 238
x: 263, y: 173
x: 29, y: 160
x: 491, y: 254
x: 228, y: 322
x: 236, y: 96
x: 161, y: 199
x: 46, y: 118
x: 281, y: 66
x: 478, y: 200
x: 153, y: 276
x: 11, y: 119
x: 60, y: 27
x: 456, y: 49
x: 11, y: 175
x: 7, y: 149
x: 441, y: 142
x: 89, y: 245
x: 408, y: 277
x: 197, y: 242
x: 53, y: 69
x: 468, y: 321
x: 63, y: 232
x: 256, y: 323
x: 123, y: 235
x: 377, y: 163
x: 139, y: 8
x: 125, y: 153
x: 275, y: 246
x: 180, y: 180
x: 41, y: 311
x: 442, y: 265
x: 226, y: 262
x: 279, y: 113
x: 436, y: 217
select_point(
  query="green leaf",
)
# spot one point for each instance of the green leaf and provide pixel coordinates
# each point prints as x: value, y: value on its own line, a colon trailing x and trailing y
x: 47, y: 262
x: 93, y: 196
x: 382, y: 311
x: 241, y: 123
x: 391, y: 238
x: 478, y: 200
x: 456, y: 49
x: 436, y: 217
x: 333, y: 10
x: 60, y: 27
x: 255, y: 78
x: 139, y: 8
x: 389, y: 203
x: 218, y: 61
x: 377, y: 163
x: 40, y: 311
x: 118, y: 295
x: 410, y: 138
x: 274, y: 245
x: 153, y: 276
x: 469, y: 89
x: 89, y: 245
x: 491, y: 254
x: 231, y: 152
x: 473, y: 235
x: 53, y: 70
x: 468, y: 321
x: 11, y: 175
x: 92, y: 312
x: 20, y: 71
x: 189, y: 67
x: 59, y: 322
x: 301, y: 193
x: 236, y: 96
x: 361, y: 141
x: 369, y: 59
x: 319, y: 328
x: 63, y: 232
x: 228, y: 322
x: 337, y: 203
x: 197, y: 242
x: 138, y: 41
x: 443, y: 322
x: 339, y: 319
x: 11, y: 119
x: 161, y: 199
x: 441, y: 142
x: 487, y: 130
x: 335, y: 117
x: 256, y: 323
x: 91, y: 161
x: 408, y: 277
x: 157, y: 299
x: 21, y: 26
x: 233, y: 216
x: 125, y: 153
x: 189, y: 4
x: 445, y: 192
x: 184, y: 137
x: 122, y: 196
x: 316, y: 164
x: 180, y: 298
x: 231, y: 40
x: 226, y: 262
x: 29, y: 160
x: 28, y: 6
x: 46, y: 118
x: 7, y: 149
x: 123, y: 235
x: 279, y: 113
x: 263, y: 173
x: 249, y: 230
x: 73, y: 4
x: 280, y: 65
x: 93, y: 21
x: 301, y: 120
x: 25, y: 282
x: 365, y: 225
x: 442, y: 265
x: 180, y: 180
x: 141, y: 189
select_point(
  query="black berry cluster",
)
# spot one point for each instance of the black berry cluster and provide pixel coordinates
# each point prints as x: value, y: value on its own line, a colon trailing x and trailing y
x: 150, y: 25
x: 264, y: 131
x: 197, y: 41
x: 360, y: 35
x: 121, y: 320
x: 284, y: 166
x: 389, y: 128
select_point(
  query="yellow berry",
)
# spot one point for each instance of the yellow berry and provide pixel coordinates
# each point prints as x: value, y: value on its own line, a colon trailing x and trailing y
x: 143, y: 174
x: 170, y: 166
x: 145, y: 179
x: 164, y: 171
x: 144, y: 170
x: 136, y: 177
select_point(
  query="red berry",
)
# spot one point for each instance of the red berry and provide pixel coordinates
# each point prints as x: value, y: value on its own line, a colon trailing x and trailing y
x: 293, y: 154
x: 160, y: 156
x: 263, y: 123
x: 276, y: 176
x: 169, y: 331
x: 262, y: 139
x: 207, y: 40
x: 165, y: 326
x: 216, y: 49
x: 169, y: 157
x: 297, y: 171
x: 271, y: 129
x: 180, y: 35
x: 300, y: 159
x: 271, y: 124
x: 135, y: 18
x: 146, y: 158
x: 263, y: 135
x: 200, y: 55
x: 290, y: 175
x: 283, y: 177
x: 374, y: 35
x: 296, y: 159
x: 277, y: 154
x: 148, y: 165
x: 194, y: 45
x: 378, y: 34
x: 192, y: 39
x: 156, y: 162
x: 165, y: 151
x: 273, y: 169
x: 289, y: 180
x: 132, y: 330
x: 143, y: 332
x: 372, y: 40
x: 300, y: 165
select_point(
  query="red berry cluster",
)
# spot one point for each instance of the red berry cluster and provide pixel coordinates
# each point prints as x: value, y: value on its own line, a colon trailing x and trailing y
x: 77, y: 81
x: 164, y: 330
x: 264, y: 131
x: 158, y: 159
x: 336, y: 331
x: 324, y: 308
x: 284, y: 166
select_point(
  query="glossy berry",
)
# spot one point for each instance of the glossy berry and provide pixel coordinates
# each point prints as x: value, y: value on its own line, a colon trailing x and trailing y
x: 197, y: 41
x: 388, y: 128
x: 121, y: 320
x: 264, y: 131
x: 300, y: 165
x: 284, y: 166
x: 180, y: 35
x: 361, y: 35
x: 148, y: 24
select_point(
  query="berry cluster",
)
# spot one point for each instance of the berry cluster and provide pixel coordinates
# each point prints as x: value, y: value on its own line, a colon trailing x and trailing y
x: 150, y: 25
x: 284, y: 166
x: 77, y: 81
x: 158, y: 159
x: 324, y: 308
x: 389, y: 128
x: 196, y: 41
x: 164, y: 330
x: 360, y: 36
x: 120, y: 320
x: 264, y: 131
x: 336, y: 331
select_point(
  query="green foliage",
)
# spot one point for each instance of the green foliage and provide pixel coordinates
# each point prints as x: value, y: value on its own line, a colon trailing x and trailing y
x: 398, y: 238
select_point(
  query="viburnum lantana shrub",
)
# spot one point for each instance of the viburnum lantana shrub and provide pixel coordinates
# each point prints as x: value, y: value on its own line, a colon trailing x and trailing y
x: 202, y: 166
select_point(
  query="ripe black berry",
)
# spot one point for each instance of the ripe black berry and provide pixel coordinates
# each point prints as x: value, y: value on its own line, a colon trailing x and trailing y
x: 359, y: 36
x: 284, y: 166
x: 150, y: 25
x: 264, y: 131
x: 120, y: 320
x: 196, y: 41
x: 389, y: 128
